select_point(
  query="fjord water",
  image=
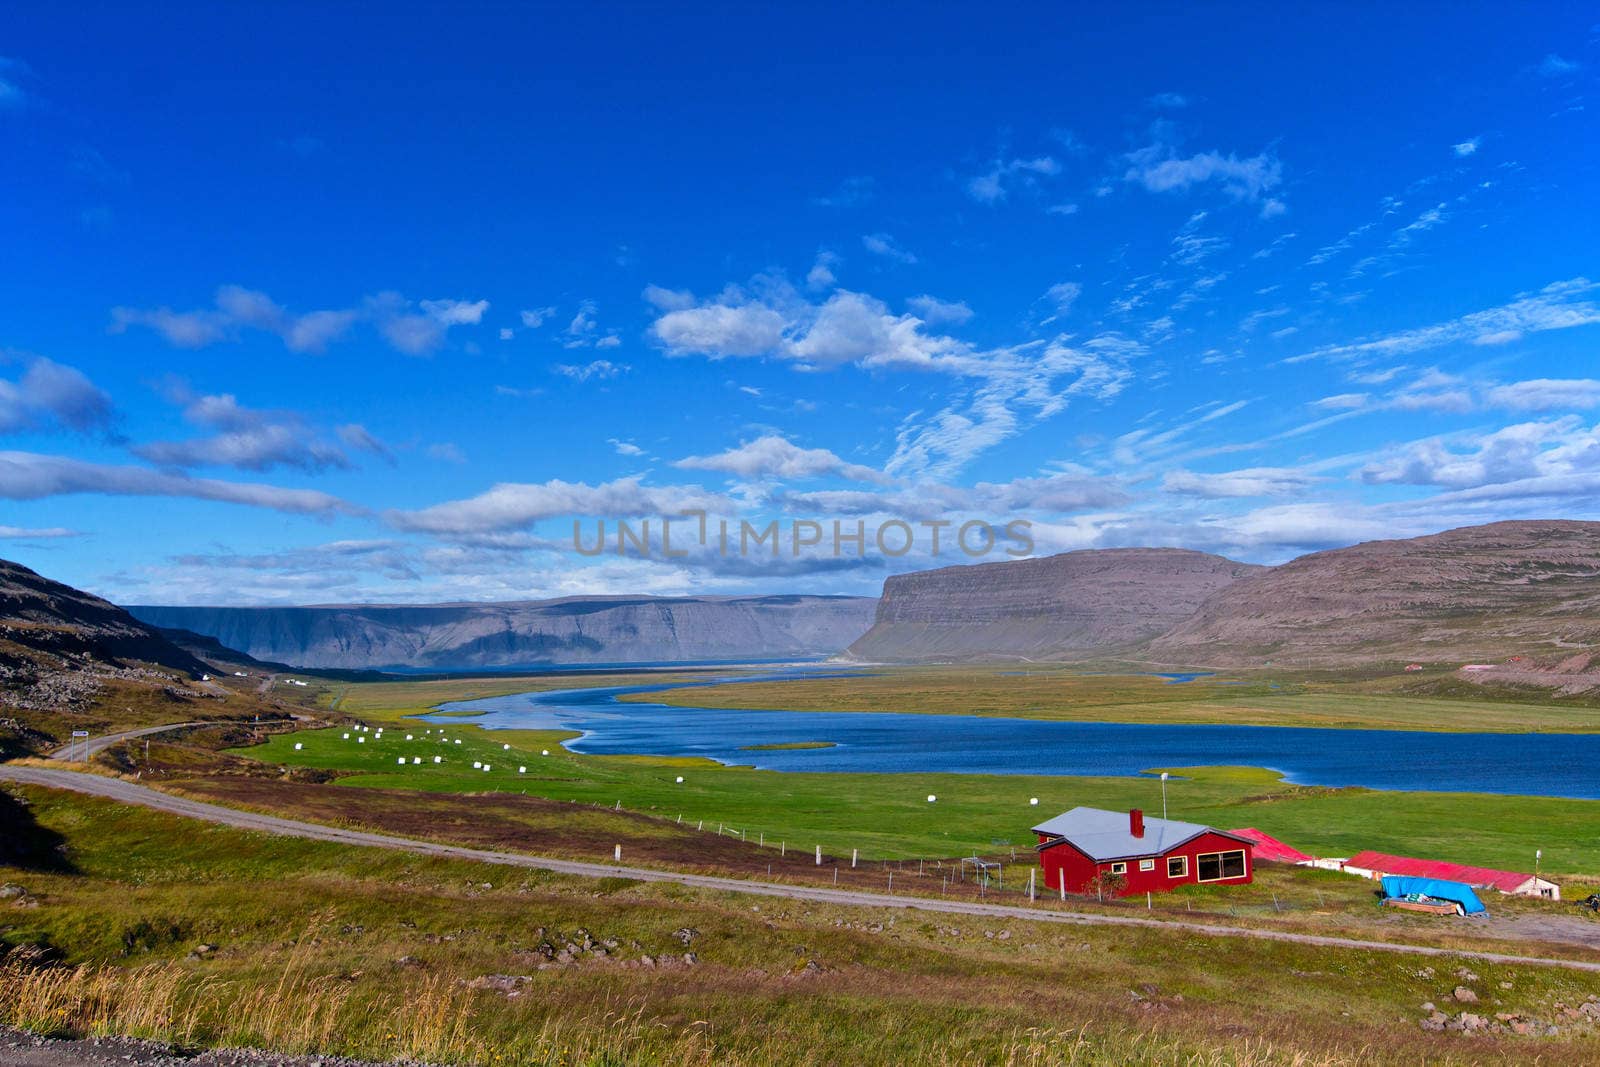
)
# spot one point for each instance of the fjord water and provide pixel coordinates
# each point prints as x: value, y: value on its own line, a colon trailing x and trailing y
x: 1556, y: 765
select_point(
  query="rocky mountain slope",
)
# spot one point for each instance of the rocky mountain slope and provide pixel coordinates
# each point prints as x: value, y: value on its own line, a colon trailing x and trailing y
x: 1479, y: 593
x: 568, y: 630
x: 1068, y: 606
x: 43, y: 619
x: 69, y: 660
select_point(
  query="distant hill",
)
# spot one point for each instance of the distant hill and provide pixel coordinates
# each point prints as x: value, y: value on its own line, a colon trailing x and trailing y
x: 1069, y: 606
x: 1475, y: 594
x: 636, y: 629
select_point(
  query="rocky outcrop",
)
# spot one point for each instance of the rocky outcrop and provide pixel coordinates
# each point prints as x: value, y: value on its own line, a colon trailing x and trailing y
x: 1060, y: 607
x: 1479, y: 594
x: 568, y: 630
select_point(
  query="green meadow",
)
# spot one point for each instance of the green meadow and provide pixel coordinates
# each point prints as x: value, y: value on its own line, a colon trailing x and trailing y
x: 888, y: 816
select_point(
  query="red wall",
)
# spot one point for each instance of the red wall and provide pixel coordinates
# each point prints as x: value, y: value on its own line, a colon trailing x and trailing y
x: 1080, y: 870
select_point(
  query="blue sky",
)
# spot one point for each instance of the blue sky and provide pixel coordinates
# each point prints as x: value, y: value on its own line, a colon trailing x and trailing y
x: 309, y: 306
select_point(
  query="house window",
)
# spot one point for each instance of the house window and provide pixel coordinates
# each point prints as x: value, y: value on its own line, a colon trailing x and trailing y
x: 1147, y: 865
x: 1217, y: 866
x: 1177, y: 866
x: 1119, y: 868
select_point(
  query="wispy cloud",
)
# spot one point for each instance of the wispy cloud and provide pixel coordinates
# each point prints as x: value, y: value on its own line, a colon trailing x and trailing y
x: 996, y: 183
x: 881, y: 244
x: 933, y: 310
x: 1249, y: 482
x: 600, y: 369
x: 1555, y: 66
x: 414, y: 329
x: 1160, y: 169
x: 1558, y: 306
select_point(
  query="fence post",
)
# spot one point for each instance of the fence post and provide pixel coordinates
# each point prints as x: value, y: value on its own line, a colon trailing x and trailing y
x: 819, y: 856
x: 852, y: 859
x: 617, y: 854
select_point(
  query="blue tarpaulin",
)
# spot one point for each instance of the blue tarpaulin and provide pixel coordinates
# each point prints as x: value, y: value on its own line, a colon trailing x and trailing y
x: 1439, y: 889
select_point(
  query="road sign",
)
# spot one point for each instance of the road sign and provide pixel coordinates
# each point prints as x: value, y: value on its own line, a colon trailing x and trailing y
x: 80, y: 733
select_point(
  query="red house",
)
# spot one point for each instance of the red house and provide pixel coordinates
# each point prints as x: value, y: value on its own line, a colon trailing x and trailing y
x: 1085, y: 846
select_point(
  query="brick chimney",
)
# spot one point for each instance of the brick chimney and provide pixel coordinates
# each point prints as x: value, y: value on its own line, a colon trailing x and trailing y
x: 1136, y: 822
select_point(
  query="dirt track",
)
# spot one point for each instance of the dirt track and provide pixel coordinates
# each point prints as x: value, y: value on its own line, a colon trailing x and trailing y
x: 128, y: 793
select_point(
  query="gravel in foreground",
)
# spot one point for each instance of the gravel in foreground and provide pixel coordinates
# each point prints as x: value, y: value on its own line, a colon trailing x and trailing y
x: 21, y: 1049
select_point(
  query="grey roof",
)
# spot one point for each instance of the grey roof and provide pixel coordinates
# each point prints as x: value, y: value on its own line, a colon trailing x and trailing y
x: 1106, y: 835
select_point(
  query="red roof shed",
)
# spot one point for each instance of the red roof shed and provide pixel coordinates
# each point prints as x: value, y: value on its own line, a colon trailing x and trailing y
x: 1380, y: 863
x: 1270, y: 848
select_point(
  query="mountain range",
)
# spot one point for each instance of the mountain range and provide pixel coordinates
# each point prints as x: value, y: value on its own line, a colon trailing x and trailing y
x: 1524, y: 595
x: 1480, y: 593
x: 615, y: 629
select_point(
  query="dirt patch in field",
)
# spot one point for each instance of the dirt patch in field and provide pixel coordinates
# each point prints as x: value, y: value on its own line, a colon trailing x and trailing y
x: 534, y: 825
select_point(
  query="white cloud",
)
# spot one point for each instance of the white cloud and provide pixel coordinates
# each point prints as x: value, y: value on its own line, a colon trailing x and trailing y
x: 721, y: 331
x: 1546, y: 394
x: 237, y: 309
x: 1467, y: 147
x: 1158, y: 169
x: 1342, y: 402
x: 1554, y: 66
x: 1168, y: 100
x: 358, y: 437
x: 1063, y: 295
x: 507, y: 333
x: 1061, y: 209
x: 447, y: 452
x: 533, y: 318
x: 881, y: 244
x: 1558, y: 306
x: 624, y: 448
x: 52, y: 394
x: 1552, y: 449
x: 456, y: 312
x: 30, y: 476
x: 36, y: 534
x: 933, y: 310
x: 1424, y: 222
x: 668, y: 299
x: 821, y: 275
x: 600, y: 369
x: 515, y: 506
x: 1009, y: 385
x: 1251, y: 481
x: 773, y: 456
x: 995, y: 184
x: 248, y: 439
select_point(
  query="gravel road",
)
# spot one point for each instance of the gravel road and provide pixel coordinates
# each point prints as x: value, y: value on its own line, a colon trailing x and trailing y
x: 129, y: 793
x: 87, y: 747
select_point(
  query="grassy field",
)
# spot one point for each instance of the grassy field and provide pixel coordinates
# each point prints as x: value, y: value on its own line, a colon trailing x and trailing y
x: 1325, y: 700
x: 887, y: 816
x: 150, y: 925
